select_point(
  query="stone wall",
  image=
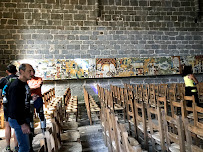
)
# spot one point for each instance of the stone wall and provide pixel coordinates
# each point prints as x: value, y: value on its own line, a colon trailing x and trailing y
x: 46, y: 29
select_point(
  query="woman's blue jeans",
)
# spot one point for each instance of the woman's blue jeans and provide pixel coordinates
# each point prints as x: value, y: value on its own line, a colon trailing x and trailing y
x: 23, y: 139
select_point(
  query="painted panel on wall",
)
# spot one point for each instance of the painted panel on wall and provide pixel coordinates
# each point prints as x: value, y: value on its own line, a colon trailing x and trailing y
x: 176, y: 66
x: 112, y: 67
x: 129, y: 67
x: 105, y: 67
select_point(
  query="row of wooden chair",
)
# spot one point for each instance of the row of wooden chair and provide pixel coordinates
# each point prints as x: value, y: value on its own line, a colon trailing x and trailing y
x: 64, y: 134
x: 114, y: 132
x: 91, y: 105
x: 50, y: 102
x: 71, y: 103
x: 141, y: 116
x: 48, y: 96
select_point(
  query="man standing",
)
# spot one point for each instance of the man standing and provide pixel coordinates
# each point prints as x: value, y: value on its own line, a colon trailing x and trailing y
x: 19, y: 106
x: 11, y: 71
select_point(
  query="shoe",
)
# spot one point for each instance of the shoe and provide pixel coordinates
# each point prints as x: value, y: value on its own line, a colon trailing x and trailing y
x: 16, y: 149
x: 8, y: 149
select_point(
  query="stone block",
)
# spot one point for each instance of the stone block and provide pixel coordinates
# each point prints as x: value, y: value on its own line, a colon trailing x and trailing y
x: 11, y: 22
x: 48, y: 56
x: 10, y: 5
x: 51, y: 1
x: 7, y: 15
x: 82, y: 2
x: 68, y: 16
x: 79, y: 16
x: 73, y: 1
x: 84, y: 37
x: 56, y: 16
x: 94, y: 52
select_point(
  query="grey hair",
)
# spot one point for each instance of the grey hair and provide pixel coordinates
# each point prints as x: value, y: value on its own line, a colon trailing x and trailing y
x: 22, y: 67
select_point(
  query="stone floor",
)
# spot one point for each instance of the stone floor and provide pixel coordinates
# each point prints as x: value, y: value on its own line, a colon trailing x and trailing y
x: 90, y: 136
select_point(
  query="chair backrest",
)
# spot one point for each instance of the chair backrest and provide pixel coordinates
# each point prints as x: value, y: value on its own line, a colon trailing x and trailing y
x: 56, y: 132
x: 139, y: 93
x: 67, y: 96
x: 200, y: 91
x: 50, y: 140
x: 145, y: 94
x: 124, y: 141
x: 113, y: 132
x: 196, y: 129
x: 188, y: 103
x: 156, y: 126
x: 141, y: 119
x: 130, y: 90
x: 163, y: 88
x: 87, y: 104
x: 171, y: 94
x: 130, y: 112
x: 162, y: 103
x: 174, y: 135
x: 180, y: 91
x: 152, y: 95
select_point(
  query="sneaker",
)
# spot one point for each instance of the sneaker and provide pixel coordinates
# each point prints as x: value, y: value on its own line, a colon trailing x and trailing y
x: 8, y: 149
x: 16, y: 149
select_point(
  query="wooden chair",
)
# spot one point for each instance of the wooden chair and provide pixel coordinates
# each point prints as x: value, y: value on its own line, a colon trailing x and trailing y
x: 141, y: 122
x: 130, y: 111
x: 123, y: 102
x: 66, y: 141
x: 178, y: 109
x: 200, y: 92
x: 50, y: 141
x: 67, y: 96
x: 180, y: 91
x: 152, y: 95
x: 175, y: 140
x: 172, y: 98
x: 163, y: 88
x: 126, y: 143
x: 72, y: 107
x: 156, y: 127
x: 42, y: 149
x: 103, y: 119
x: 130, y: 89
x: 107, y: 126
x: 145, y: 94
x: 113, y: 132
x: 163, y: 104
x: 87, y: 104
x: 194, y: 130
x: 114, y: 107
x: 138, y: 93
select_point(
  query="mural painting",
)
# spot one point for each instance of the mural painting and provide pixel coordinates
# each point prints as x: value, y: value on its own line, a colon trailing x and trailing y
x: 198, y: 65
x: 112, y: 67
x: 164, y: 65
x: 105, y: 67
x: 175, y: 65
